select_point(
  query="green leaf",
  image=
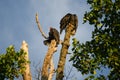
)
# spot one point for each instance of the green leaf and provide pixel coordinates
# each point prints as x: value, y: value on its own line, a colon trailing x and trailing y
x: 11, y: 63
x: 104, y: 47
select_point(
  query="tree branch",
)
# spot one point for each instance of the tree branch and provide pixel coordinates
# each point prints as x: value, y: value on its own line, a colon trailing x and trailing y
x: 39, y: 26
x: 47, y: 65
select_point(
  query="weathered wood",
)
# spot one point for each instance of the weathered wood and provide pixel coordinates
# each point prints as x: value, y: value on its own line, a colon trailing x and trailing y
x: 52, y: 70
x: 39, y: 27
x: 64, y: 51
x: 47, y: 60
x: 27, y: 73
x: 48, y: 65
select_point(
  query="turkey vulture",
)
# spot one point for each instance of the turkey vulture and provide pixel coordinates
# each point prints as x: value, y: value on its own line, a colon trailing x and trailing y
x: 53, y: 34
x: 74, y: 21
x: 68, y: 18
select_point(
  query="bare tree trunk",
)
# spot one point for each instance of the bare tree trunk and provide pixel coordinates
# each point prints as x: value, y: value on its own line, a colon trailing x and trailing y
x: 47, y: 61
x: 64, y: 51
x: 27, y: 73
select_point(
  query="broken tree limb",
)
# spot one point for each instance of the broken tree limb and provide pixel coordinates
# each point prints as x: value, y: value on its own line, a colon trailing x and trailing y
x: 27, y: 72
x: 47, y: 60
x: 39, y: 27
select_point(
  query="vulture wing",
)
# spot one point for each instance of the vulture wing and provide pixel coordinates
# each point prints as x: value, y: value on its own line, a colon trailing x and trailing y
x: 64, y: 22
x: 56, y: 36
x: 75, y: 21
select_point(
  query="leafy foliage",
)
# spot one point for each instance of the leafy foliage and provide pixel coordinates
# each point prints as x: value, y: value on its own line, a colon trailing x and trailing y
x: 104, y: 48
x: 11, y: 63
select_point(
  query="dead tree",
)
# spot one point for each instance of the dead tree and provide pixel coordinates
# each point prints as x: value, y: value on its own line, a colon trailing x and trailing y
x: 52, y: 70
x: 27, y: 73
x: 48, y: 66
x: 69, y: 22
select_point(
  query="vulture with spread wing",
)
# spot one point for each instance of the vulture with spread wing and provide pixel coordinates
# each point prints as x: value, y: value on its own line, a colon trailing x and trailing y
x: 53, y: 34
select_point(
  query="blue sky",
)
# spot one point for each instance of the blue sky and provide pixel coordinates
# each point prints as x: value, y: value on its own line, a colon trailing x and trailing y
x: 17, y: 23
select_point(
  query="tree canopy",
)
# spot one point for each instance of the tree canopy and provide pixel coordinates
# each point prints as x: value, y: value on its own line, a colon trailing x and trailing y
x: 11, y: 63
x: 104, y: 48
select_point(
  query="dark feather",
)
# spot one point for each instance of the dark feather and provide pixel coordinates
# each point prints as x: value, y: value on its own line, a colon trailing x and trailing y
x: 64, y: 22
x: 69, y: 18
x: 53, y: 34
x: 56, y: 35
x: 75, y: 21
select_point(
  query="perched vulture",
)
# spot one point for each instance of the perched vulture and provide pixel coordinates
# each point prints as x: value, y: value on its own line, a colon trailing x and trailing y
x: 68, y: 18
x: 64, y: 22
x: 53, y: 34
